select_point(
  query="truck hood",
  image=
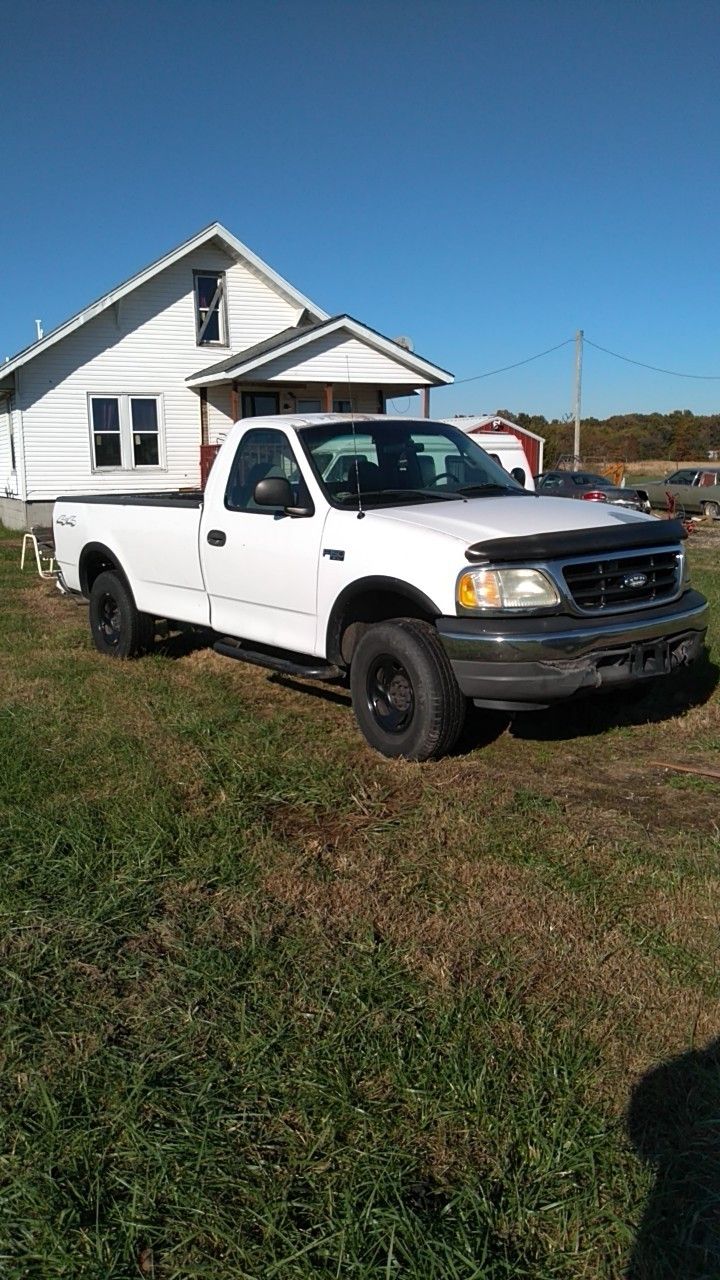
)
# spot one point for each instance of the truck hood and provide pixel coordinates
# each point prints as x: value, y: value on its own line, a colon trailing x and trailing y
x: 478, y: 519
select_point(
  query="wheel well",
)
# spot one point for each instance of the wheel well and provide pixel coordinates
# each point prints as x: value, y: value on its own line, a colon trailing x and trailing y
x: 362, y: 604
x: 96, y: 559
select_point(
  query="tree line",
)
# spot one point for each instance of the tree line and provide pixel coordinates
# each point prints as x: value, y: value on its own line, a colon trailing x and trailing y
x: 627, y: 437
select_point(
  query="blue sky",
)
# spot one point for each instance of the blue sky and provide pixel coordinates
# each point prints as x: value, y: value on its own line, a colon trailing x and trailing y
x: 484, y: 177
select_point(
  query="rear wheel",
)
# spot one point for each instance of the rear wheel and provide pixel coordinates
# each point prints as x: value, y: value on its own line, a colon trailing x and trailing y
x: 405, y: 697
x: 711, y: 510
x: 118, y: 628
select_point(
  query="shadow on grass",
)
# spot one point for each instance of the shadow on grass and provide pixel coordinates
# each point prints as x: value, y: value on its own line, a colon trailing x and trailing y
x: 673, y: 1122
x: 178, y: 644
x: 327, y: 691
x: 480, y: 728
x: 651, y: 703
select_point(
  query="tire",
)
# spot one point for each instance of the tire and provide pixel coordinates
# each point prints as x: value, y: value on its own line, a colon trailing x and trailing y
x: 118, y: 629
x: 405, y: 697
x: 711, y: 510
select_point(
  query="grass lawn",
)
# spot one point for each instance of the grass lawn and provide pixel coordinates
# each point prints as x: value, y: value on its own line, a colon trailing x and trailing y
x: 273, y: 1006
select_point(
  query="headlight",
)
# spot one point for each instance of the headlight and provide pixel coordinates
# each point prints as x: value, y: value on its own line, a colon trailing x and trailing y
x: 506, y: 589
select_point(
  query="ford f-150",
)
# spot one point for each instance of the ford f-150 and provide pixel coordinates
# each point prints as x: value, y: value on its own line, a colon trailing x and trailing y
x: 397, y: 555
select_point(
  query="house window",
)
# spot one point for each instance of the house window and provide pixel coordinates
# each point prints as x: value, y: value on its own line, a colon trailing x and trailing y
x: 126, y: 432
x: 210, y: 311
x: 342, y: 406
x: 106, y: 431
x: 309, y: 406
x: 145, y: 432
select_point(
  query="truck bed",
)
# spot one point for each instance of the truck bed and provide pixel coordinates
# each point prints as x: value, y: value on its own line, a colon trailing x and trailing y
x: 158, y: 550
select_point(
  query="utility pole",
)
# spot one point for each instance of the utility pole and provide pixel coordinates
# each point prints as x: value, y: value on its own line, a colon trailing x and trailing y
x: 578, y: 396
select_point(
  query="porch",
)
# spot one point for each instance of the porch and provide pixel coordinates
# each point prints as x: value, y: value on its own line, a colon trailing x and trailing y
x: 221, y: 406
x: 337, y: 365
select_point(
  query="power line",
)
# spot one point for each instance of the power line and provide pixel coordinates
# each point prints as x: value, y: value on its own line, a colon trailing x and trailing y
x: 673, y: 373
x: 476, y: 377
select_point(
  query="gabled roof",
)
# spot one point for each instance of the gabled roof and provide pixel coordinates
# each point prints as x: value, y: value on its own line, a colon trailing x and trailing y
x: 215, y: 231
x: 482, y: 422
x: 267, y: 346
x: 289, y: 340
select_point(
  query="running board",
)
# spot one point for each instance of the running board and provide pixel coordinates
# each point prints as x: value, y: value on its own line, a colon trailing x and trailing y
x: 288, y: 667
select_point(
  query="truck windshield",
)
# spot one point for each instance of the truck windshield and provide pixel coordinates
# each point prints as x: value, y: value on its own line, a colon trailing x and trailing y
x: 373, y: 464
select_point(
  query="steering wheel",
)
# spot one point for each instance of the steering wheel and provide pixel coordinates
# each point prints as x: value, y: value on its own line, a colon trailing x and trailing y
x: 443, y: 475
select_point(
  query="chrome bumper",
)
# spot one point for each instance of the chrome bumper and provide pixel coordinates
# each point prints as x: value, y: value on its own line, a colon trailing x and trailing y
x: 534, y: 661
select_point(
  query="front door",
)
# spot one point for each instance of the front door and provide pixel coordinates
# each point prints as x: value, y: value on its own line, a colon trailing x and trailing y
x: 262, y: 581
x: 260, y: 404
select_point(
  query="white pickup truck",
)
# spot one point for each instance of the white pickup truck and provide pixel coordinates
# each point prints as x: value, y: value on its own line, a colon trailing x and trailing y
x: 396, y: 554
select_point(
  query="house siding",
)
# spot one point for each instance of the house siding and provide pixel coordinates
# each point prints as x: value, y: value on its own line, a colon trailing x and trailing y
x: 143, y: 345
x: 331, y: 356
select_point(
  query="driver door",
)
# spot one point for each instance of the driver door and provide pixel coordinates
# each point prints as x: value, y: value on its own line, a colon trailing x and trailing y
x: 262, y: 578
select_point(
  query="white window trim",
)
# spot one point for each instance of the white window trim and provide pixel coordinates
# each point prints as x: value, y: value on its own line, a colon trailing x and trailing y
x: 127, y: 463
x: 7, y: 406
x: 224, y: 339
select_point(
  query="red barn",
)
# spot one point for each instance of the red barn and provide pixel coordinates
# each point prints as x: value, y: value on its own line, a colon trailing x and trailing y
x: 480, y: 424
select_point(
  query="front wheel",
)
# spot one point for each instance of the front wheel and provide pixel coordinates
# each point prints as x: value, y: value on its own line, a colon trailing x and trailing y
x: 405, y: 697
x: 711, y: 510
x: 118, y: 628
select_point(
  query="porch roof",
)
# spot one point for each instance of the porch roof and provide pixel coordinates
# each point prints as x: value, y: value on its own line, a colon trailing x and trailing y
x: 300, y: 337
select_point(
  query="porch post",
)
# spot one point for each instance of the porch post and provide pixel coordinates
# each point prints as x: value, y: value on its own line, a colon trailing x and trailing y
x: 234, y: 406
x: 328, y: 397
x: 203, y: 416
x: 425, y: 401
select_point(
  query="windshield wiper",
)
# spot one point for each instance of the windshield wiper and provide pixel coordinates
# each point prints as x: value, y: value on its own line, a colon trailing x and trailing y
x: 474, y: 490
x: 412, y: 493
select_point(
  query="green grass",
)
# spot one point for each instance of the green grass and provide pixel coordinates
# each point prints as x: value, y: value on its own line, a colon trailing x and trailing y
x: 274, y: 1006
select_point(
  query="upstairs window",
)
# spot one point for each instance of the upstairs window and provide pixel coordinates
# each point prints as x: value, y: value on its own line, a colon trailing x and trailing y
x: 210, y: 310
x: 125, y: 432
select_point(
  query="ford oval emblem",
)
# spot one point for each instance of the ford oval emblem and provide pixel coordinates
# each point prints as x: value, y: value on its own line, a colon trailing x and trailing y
x: 635, y: 580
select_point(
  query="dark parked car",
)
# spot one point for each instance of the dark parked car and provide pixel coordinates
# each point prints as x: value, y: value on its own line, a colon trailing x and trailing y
x: 594, y: 488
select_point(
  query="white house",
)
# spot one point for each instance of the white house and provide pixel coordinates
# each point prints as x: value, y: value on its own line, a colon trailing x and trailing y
x: 121, y: 397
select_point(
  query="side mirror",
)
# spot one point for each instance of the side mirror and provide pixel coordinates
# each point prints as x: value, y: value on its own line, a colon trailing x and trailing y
x: 518, y: 474
x: 275, y: 491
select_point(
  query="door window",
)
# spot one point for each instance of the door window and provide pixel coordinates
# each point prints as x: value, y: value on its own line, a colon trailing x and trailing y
x: 261, y: 454
x: 259, y: 404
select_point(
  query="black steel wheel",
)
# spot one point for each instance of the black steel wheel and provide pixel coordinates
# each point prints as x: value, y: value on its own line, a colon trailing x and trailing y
x: 391, y: 698
x: 118, y: 628
x: 405, y: 696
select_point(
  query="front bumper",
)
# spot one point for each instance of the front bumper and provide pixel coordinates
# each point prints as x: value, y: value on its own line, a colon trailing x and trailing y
x: 522, y: 663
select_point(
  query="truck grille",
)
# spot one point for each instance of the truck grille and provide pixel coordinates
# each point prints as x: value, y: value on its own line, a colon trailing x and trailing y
x: 614, y: 583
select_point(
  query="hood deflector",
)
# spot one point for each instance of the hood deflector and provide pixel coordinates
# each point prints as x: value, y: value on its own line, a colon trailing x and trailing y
x: 579, y: 542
